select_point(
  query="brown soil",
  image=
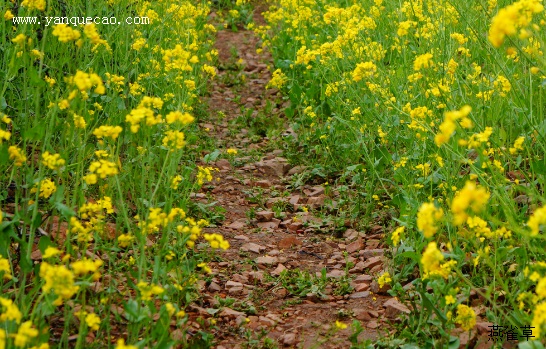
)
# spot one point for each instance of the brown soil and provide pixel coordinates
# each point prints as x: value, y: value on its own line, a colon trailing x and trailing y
x: 262, y: 244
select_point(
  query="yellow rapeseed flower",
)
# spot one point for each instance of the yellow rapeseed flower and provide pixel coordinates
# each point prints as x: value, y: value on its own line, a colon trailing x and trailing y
x: 107, y: 131
x: 537, y: 219
x: 466, y: 317
x: 24, y: 334
x: 58, y: 279
x: 511, y: 18
x: 53, y: 161
x: 340, y: 325
x: 8, y: 15
x: 384, y: 279
x: 51, y: 252
x: 147, y: 291
x: 86, y: 266
x: 470, y: 197
x: 93, y: 321
x: 396, y: 235
x: 5, y: 266
x: 539, y: 319
x: 65, y: 34
x: 47, y: 188
x: 121, y: 345
x: 427, y: 217
x: 10, y: 311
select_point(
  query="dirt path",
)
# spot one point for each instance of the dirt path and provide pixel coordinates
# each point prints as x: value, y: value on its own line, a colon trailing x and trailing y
x: 251, y: 301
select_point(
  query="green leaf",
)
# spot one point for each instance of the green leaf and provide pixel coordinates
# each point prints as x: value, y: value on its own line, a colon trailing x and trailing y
x: 409, y: 254
x: 65, y: 211
x: 410, y: 346
x: 428, y: 305
x: 4, y: 155
x: 46, y: 308
x: 212, y: 311
x: 35, y: 133
x: 211, y: 156
x: 6, y: 232
x: 44, y: 243
x: 37, y: 221
x: 121, y: 104
x: 454, y: 343
x: 134, y: 312
x: 530, y: 345
x: 24, y: 261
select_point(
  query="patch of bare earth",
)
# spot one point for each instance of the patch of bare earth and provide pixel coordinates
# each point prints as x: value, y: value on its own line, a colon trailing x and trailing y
x: 269, y: 232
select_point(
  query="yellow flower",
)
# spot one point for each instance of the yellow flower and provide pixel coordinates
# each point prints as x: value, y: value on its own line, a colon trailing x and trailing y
x: 138, y: 44
x: 59, y: 280
x: 34, y: 4
x: 90, y: 31
x: 204, y: 174
x: 450, y: 299
x: 539, y: 319
x: 50, y: 252
x: 427, y: 216
x: 278, y: 80
x: 170, y: 308
x: 174, y: 140
x: 204, y: 267
x: 121, y: 345
x: 340, y: 325
x: 4, y: 265
x: 86, y: 266
x: 149, y: 290
x: 231, y: 151
x: 430, y: 260
x: 216, y: 241
x: 125, y: 239
x: 511, y: 18
x: 537, y: 219
x: 10, y: 312
x: 25, y: 334
x: 209, y: 70
x: 384, y: 279
x: 183, y: 118
x: 65, y: 34
x: 466, y: 317
x: 4, y: 135
x: 8, y: 15
x: 423, y: 61
x: 79, y: 121
x: 541, y: 288
x: 107, y: 131
x: 47, y: 188
x: 93, y: 321
x: 53, y: 161
x: 518, y: 145
x: 85, y: 82
x: 470, y: 197
x: 17, y: 155
x: 363, y: 70
x: 175, y: 182
x: 3, y: 337
x: 102, y: 169
x: 448, y: 126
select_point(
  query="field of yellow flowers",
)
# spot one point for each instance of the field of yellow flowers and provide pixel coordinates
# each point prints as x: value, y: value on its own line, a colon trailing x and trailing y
x: 432, y: 113
x: 97, y: 155
x: 428, y: 116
